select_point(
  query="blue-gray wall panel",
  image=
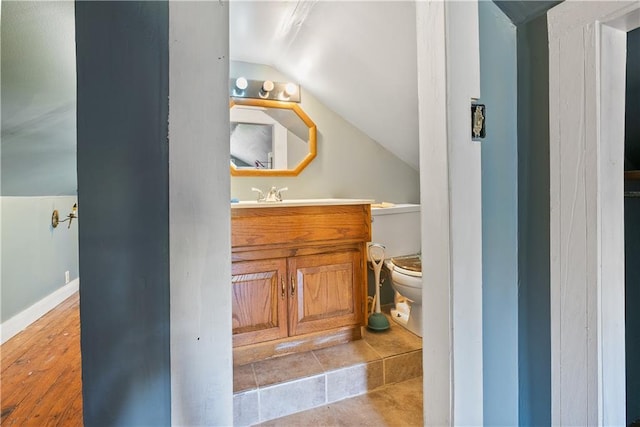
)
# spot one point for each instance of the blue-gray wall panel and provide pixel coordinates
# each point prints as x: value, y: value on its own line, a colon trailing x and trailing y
x: 498, y: 88
x: 632, y: 111
x: 122, y: 66
x: 632, y: 228
x: 534, y: 327
x: 632, y: 286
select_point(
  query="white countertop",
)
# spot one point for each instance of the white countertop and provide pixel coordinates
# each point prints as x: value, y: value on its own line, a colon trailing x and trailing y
x: 300, y: 202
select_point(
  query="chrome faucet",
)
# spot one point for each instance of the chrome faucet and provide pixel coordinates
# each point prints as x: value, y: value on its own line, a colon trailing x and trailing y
x: 272, y: 196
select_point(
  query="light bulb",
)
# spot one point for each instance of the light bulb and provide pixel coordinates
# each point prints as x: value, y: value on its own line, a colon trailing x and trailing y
x: 267, y: 87
x: 291, y: 89
x: 241, y: 83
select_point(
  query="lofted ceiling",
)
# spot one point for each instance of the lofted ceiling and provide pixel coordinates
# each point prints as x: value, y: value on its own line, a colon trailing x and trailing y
x: 38, y: 98
x: 358, y: 58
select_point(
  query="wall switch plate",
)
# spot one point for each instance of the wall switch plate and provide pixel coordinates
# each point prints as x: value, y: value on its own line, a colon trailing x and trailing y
x: 478, y: 118
x: 66, y: 277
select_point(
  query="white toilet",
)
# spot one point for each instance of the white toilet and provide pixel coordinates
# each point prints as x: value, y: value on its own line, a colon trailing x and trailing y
x: 398, y: 229
x: 406, y: 279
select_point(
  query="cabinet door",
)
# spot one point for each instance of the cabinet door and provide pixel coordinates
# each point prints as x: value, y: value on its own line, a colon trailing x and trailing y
x: 325, y: 291
x: 259, y: 301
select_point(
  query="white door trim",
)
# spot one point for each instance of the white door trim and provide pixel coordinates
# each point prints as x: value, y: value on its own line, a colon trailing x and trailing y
x: 448, y: 61
x: 587, y: 57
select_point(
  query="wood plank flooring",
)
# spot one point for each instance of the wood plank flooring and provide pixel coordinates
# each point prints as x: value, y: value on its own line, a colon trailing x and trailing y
x: 40, y: 377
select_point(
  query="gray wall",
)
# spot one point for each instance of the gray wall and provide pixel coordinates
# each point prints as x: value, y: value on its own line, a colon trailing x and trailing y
x: 534, y: 339
x: 38, y: 162
x: 349, y: 163
x: 123, y: 173
x: 498, y: 85
x: 632, y: 228
x: 199, y: 221
x: 35, y: 256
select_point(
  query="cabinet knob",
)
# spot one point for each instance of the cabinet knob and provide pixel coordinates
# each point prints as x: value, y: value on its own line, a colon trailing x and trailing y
x: 284, y: 290
x: 293, y: 287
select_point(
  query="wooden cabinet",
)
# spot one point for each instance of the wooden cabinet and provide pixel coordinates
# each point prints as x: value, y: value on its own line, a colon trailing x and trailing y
x: 325, y: 291
x: 298, y: 278
x: 259, y: 301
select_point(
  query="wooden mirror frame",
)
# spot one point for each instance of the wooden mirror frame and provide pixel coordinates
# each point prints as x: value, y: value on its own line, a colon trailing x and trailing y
x: 307, y: 121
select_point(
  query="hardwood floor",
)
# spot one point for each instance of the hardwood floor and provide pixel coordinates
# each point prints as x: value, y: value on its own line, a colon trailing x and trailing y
x: 41, y: 382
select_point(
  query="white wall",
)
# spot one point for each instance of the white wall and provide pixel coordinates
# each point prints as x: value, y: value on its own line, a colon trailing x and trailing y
x: 199, y: 218
x: 349, y: 163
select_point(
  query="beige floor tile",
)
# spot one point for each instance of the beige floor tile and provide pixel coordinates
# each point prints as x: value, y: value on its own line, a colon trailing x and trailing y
x: 245, y: 408
x: 403, y: 367
x: 243, y: 378
x: 348, y: 354
x: 354, y: 380
x: 401, y: 401
x: 322, y: 416
x: 392, y: 405
x: 285, y: 368
x: 292, y: 397
x: 394, y: 341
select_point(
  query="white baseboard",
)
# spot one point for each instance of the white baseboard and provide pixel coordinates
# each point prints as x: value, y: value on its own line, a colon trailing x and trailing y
x: 20, y: 321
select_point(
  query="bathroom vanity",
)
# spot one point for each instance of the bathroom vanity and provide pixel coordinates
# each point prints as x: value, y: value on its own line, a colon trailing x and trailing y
x: 298, y: 275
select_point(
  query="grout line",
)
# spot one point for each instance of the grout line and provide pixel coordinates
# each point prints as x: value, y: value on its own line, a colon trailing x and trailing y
x: 313, y: 353
x: 326, y: 388
x: 384, y: 372
x: 326, y: 378
x: 259, y: 406
x: 373, y: 348
x: 255, y: 376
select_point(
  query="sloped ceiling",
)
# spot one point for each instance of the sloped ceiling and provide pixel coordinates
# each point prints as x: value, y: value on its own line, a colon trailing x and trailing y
x: 38, y: 98
x: 358, y: 58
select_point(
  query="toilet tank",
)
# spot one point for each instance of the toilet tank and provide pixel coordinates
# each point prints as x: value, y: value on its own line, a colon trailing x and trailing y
x: 397, y: 228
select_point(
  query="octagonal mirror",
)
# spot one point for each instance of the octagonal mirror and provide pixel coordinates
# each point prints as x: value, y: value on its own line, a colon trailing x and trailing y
x: 270, y: 138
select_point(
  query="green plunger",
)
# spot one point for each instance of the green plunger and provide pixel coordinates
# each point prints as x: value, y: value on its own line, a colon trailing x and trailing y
x: 377, y: 320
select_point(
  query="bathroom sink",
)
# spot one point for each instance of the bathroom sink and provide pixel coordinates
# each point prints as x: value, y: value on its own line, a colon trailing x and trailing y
x: 300, y: 202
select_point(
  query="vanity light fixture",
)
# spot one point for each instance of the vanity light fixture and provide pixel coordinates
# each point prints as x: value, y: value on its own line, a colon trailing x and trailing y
x: 55, y: 217
x: 264, y: 89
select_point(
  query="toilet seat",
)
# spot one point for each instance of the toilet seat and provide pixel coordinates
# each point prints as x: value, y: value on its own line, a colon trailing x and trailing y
x: 410, y: 265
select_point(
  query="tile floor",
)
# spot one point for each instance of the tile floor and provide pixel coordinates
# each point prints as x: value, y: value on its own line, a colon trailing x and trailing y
x: 378, y: 363
x: 398, y: 404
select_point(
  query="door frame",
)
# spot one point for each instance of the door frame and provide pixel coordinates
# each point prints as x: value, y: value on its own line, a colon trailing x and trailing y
x: 587, y: 61
x: 448, y: 60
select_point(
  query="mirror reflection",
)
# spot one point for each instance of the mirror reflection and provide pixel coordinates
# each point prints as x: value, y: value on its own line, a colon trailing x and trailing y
x: 270, y: 138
